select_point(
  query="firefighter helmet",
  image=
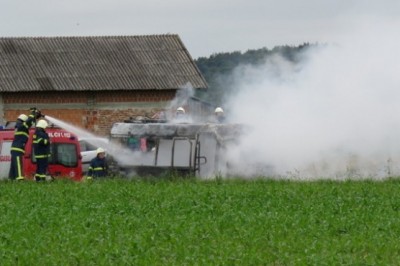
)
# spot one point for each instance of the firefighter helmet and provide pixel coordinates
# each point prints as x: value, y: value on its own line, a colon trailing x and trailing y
x: 100, y: 150
x: 180, y: 110
x: 219, y: 110
x: 42, y: 124
x: 23, y: 117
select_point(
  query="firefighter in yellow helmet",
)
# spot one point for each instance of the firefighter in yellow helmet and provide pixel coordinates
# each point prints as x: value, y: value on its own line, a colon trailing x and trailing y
x: 21, y: 136
x: 98, y: 166
x: 41, y: 148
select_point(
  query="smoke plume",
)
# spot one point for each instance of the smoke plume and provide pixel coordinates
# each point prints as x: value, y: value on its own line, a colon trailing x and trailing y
x: 334, y: 115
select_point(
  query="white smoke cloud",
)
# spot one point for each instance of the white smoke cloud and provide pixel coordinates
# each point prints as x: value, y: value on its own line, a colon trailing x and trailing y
x: 335, y: 115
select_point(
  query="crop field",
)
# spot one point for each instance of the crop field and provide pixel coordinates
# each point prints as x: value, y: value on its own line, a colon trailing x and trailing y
x: 192, y: 222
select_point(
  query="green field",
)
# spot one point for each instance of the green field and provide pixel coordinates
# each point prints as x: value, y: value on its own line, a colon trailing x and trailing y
x: 188, y: 222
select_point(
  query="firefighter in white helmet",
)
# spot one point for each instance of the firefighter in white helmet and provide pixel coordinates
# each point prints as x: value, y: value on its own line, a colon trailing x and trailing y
x: 21, y: 136
x: 41, y: 148
x: 219, y: 115
x: 180, y: 111
x: 180, y: 115
x: 98, y: 166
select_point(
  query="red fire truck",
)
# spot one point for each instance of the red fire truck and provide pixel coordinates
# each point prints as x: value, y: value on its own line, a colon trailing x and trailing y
x: 64, y: 162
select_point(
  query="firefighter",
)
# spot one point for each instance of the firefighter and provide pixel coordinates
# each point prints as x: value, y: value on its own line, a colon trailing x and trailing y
x: 219, y: 115
x: 98, y: 166
x: 41, y: 148
x: 180, y: 112
x: 181, y: 116
x: 21, y: 136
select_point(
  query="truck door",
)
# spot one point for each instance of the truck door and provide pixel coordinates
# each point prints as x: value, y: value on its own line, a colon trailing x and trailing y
x: 208, y: 149
x: 177, y: 152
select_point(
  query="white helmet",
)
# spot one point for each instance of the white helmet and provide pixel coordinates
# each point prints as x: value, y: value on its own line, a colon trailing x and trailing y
x: 180, y: 109
x: 42, y: 124
x: 100, y: 150
x: 219, y: 110
x: 23, y: 117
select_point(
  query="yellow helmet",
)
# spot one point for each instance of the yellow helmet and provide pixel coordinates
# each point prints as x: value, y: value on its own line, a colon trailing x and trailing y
x: 42, y: 124
x: 23, y: 117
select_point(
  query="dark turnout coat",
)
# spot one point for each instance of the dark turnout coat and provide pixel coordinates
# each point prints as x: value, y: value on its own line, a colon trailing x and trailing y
x: 41, y: 143
x: 98, y: 168
x: 21, y: 135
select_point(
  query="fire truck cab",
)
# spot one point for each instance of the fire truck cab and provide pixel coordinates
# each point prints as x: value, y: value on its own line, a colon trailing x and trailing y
x: 64, y: 161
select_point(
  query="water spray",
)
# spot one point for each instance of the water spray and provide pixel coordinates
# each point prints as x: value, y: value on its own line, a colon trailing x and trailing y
x: 119, y: 152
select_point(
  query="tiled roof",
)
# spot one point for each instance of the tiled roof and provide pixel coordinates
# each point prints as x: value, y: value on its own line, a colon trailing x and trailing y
x: 96, y: 63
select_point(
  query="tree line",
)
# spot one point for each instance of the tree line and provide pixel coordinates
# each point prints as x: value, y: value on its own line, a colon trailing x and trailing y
x: 217, y: 67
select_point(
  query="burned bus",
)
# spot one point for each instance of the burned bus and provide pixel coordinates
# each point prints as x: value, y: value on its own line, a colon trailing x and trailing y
x: 154, y: 148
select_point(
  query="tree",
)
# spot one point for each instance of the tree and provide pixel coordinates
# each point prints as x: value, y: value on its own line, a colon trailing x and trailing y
x: 218, y: 67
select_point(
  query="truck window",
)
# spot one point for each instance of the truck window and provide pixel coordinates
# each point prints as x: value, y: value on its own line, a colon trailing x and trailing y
x: 86, y: 146
x: 5, y: 158
x: 5, y: 147
x: 62, y: 153
x: 66, y: 154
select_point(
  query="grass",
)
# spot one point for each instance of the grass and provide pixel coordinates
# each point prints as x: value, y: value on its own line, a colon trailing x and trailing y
x: 189, y: 222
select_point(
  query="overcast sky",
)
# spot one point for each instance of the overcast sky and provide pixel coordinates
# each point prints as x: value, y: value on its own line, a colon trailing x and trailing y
x: 205, y: 26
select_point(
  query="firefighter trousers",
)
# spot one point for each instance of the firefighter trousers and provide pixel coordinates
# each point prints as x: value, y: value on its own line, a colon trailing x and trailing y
x: 16, y: 166
x: 41, y: 168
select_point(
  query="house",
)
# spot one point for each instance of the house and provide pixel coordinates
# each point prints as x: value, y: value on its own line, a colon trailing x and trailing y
x: 92, y: 82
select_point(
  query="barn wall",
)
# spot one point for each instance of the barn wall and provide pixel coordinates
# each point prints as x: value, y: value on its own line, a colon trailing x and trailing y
x: 94, y: 111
